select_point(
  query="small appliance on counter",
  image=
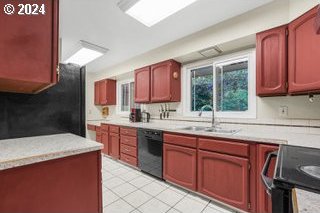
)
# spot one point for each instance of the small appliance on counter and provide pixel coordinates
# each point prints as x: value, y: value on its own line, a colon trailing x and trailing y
x: 297, y: 168
x: 146, y: 117
x: 135, y: 115
x: 150, y: 144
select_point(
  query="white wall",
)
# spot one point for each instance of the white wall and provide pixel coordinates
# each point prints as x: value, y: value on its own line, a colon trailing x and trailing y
x: 274, y: 14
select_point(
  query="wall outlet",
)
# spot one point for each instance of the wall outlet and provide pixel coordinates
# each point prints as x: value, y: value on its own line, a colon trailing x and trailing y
x: 283, y: 111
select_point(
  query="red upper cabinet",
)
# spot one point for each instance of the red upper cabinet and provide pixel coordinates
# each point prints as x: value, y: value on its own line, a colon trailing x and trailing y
x: 142, y: 85
x: 96, y: 93
x: 29, y: 49
x: 317, y: 23
x: 166, y: 82
x: 304, y: 54
x: 180, y: 165
x: 264, y: 200
x: 272, y: 62
x: 105, y: 92
x: 158, y: 83
x: 225, y: 178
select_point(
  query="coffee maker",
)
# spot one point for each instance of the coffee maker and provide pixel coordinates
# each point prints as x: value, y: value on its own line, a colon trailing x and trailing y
x: 135, y: 115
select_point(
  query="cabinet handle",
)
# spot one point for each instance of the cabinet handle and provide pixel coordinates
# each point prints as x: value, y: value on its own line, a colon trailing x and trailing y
x: 58, y: 72
x: 265, y: 179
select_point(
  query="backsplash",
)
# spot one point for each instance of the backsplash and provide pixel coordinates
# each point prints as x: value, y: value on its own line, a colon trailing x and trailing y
x: 153, y: 109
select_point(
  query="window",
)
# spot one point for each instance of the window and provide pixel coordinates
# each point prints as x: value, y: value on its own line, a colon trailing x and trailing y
x: 232, y: 87
x: 125, y: 100
x: 201, y: 87
x: 226, y: 83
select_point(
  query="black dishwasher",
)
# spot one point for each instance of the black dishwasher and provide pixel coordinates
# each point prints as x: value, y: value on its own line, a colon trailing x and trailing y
x: 150, y: 143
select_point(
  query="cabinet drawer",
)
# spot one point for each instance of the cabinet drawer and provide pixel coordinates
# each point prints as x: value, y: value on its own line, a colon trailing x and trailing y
x: 91, y: 127
x: 128, y: 131
x: 98, y: 129
x: 128, y: 140
x: 129, y: 159
x: 104, y: 127
x: 227, y: 147
x: 114, y: 129
x: 128, y: 150
x: 180, y: 140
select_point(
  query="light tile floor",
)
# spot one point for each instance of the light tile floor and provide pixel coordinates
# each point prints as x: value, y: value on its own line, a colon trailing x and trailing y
x: 126, y: 190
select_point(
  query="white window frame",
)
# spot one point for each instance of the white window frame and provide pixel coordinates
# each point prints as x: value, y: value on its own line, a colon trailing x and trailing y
x: 231, y: 58
x: 118, y: 108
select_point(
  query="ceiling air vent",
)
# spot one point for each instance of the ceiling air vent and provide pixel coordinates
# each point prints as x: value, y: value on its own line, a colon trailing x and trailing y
x: 210, y: 52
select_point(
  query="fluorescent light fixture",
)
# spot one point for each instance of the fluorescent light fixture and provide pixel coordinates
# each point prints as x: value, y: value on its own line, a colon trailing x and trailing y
x: 150, y: 12
x: 85, y: 53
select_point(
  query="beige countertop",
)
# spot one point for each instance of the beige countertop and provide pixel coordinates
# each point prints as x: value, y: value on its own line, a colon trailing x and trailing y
x: 255, y: 133
x: 29, y: 150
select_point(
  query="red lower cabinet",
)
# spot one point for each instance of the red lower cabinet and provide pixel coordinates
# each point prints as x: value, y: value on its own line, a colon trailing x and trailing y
x: 105, y: 142
x: 69, y: 184
x: 224, y: 177
x: 179, y: 166
x: 114, y: 145
x: 98, y: 134
x: 264, y: 201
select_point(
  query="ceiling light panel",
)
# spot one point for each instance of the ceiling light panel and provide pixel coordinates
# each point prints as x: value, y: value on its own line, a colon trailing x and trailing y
x: 85, y: 53
x: 150, y: 12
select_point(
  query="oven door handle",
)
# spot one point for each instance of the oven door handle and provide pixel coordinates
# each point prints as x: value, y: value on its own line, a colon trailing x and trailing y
x: 153, y: 139
x: 264, y: 173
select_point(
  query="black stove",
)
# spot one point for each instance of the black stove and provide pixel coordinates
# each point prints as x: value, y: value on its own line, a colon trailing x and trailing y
x: 296, y: 167
x: 299, y: 167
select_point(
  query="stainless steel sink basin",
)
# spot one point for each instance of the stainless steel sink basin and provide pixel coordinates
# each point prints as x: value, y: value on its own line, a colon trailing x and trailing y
x: 210, y: 129
x: 194, y: 128
x: 223, y: 131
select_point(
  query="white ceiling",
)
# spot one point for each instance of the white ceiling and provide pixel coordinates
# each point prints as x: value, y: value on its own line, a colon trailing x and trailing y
x: 101, y: 22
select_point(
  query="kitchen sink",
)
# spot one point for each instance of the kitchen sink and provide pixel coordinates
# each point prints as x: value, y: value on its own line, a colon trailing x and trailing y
x: 194, y: 128
x: 223, y: 131
x: 211, y: 129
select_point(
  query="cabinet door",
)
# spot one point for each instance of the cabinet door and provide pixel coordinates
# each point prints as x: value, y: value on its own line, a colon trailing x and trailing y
x: 96, y: 93
x: 114, y: 145
x: 142, y: 85
x: 179, y: 165
x: 317, y: 23
x: 272, y: 62
x: 224, y: 177
x: 103, y: 92
x: 304, y: 55
x: 161, y: 82
x: 264, y: 201
x: 111, y: 88
x: 105, y: 141
x: 29, y: 49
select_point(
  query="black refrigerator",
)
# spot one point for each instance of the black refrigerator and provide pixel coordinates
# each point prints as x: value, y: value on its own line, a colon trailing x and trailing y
x: 59, y: 109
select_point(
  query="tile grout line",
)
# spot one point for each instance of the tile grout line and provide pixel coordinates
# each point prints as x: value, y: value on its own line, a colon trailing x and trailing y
x: 172, y: 207
x: 166, y: 186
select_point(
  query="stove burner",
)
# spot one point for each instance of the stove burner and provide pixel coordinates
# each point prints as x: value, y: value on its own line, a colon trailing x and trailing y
x: 313, y: 171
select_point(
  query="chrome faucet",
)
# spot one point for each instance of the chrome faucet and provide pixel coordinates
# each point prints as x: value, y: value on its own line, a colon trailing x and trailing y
x: 214, y: 123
